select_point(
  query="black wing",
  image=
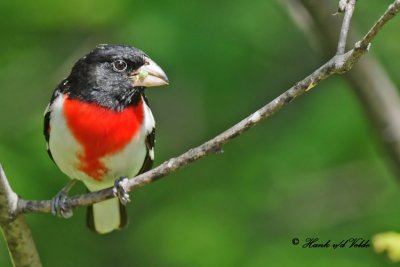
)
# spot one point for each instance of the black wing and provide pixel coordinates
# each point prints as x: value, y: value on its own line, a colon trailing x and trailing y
x: 46, y: 130
x: 148, y: 160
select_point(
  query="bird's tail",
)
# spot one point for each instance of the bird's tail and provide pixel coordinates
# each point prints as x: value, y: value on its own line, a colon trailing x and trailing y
x: 106, y: 216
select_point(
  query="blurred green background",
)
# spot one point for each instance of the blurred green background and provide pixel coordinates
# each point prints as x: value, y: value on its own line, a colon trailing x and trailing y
x: 315, y: 169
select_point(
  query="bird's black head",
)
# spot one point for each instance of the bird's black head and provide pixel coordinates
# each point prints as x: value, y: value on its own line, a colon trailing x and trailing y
x: 114, y: 76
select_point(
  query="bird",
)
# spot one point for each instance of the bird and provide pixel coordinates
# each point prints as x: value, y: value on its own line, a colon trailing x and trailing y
x: 99, y: 128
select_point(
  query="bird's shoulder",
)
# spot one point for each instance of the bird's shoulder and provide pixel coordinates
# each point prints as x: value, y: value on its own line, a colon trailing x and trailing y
x: 58, y: 91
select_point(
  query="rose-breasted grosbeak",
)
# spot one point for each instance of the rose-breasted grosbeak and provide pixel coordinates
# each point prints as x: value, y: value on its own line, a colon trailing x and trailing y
x: 99, y: 127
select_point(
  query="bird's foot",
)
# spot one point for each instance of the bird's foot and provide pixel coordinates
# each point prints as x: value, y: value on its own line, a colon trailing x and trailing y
x: 59, y: 205
x: 120, y: 191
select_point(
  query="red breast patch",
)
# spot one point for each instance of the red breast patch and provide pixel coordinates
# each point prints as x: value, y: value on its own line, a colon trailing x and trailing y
x: 101, y: 131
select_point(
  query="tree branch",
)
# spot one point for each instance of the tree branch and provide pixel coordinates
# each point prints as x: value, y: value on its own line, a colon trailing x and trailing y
x: 21, y: 247
x: 340, y: 63
x: 388, y: 15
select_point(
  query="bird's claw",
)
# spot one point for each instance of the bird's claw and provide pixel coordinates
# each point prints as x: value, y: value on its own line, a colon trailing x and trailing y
x: 120, y: 191
x: 59, y: 206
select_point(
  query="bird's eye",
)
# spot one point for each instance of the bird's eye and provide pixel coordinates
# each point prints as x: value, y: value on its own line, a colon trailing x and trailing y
x: 119, y: 65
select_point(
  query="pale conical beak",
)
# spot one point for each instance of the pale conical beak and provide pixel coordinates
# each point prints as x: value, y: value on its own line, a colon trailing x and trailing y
x: 148, y: 75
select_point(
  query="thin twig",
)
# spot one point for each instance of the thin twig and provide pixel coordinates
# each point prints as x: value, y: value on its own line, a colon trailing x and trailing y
x: 348, y: 13
x: 338, y: 64
x: 388, y: 15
